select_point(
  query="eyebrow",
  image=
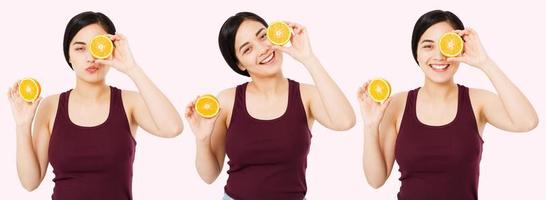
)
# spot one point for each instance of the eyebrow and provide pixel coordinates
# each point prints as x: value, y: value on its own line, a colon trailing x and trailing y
x: 246, y: 43
x: 75, y: 43
x: 427, y: 41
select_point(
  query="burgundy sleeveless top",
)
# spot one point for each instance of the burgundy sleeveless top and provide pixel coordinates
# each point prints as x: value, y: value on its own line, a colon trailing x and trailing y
x: 92, y: 163
x: 439, y: 162
x: 268, y: 158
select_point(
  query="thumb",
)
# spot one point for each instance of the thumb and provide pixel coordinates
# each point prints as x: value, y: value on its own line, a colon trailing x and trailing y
x: 37, y: 101
x: 385, y: 104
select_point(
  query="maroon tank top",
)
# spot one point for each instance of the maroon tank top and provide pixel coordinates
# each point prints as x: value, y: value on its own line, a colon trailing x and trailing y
x: 92, y: 163
x: 268, y: 158
x: 439, y: 162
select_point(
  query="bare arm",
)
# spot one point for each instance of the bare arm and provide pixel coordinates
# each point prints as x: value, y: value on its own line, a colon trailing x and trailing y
x: 210, y: 137
x: 379, y: 137
x: 152, y: 110
x: 328, y: 103
x: 510, y: 110
x: 32, y: 144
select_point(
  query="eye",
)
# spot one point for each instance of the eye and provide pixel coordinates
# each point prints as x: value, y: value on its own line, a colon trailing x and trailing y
x: 263, y: 36
x: 80, y: 49
x: 247, y: 50
x: 428, y: 46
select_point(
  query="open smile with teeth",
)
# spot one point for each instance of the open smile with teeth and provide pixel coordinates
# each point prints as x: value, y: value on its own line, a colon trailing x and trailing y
x: 439, y: 67
x: 268, y: 59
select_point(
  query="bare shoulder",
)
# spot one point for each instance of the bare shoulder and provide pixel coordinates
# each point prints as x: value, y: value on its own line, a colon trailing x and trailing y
x: 49, y: 104
x: 47, y: 110
x: 398, y: 101
x: 227, y: 97
x: 480, y: 95
x: 307, y: 91
x: 130, y: 98
x: 307, y: 88
x: 130, y: 95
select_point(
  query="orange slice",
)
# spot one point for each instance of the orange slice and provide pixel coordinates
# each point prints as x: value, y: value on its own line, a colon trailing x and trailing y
x: 379, y: 90
x: 451, y: 44
x: 207, y: 106
x: 101, y: 47
x: 29, y: 89
x: 278, y: 33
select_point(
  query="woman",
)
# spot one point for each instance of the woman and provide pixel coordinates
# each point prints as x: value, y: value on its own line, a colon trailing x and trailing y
x: 435, y: 132
x: 264, y: 125
x: 87, y: 133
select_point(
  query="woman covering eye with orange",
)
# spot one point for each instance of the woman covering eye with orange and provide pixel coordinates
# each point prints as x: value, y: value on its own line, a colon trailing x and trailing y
x: 87, y: 133
x: 435, y: 132
x: 264, y: 125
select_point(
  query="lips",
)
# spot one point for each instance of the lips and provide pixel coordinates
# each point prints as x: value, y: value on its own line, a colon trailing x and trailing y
x: 92, y: 69
x: 439, y: 67
x: 268, y: 59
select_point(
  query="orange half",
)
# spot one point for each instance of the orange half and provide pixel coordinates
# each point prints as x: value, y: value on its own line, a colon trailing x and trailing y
x: 207, y: 106
x: 29, y: 89
x: 101, y: 47
x: 451, y: 44
x: 379, y: 90
x: 278, y: 33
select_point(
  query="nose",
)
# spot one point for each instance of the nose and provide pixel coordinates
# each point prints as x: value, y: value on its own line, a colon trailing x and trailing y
x: 263, y: 47
x: 89, y: 58
x: 438, y: 55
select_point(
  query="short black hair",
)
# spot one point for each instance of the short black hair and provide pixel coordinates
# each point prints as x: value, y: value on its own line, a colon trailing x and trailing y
x: 429, y: 19
x: 80, y: 21
x: 226, y: 38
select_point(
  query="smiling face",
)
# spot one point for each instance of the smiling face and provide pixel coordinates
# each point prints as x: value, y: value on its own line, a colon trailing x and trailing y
x: 80, y: 58
x: 435, y: 65
x: 254, y: 52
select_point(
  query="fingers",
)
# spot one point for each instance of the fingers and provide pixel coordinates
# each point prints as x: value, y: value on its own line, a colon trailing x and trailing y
x: 104, y: 62
x: 14, y: 92
x: 362, y: 91
x: 281, y: 48
x: 189, y: 109
x: 456, y: 59
x: 296, y: 28
x: 385, y: 104
x: 36, y: 102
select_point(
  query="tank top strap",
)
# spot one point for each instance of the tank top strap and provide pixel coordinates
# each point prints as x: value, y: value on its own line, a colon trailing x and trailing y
x: 295, y: 103
x: 411, y: 99
x: 115, y: 98
x: 240, y: 99
x: 62, y: 108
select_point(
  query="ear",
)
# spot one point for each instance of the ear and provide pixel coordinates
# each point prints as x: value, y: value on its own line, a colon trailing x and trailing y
x: 241, y: 67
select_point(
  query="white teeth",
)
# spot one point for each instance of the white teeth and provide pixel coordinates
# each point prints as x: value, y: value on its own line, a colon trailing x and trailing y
x: 439, y: 66
x: 266, y: 60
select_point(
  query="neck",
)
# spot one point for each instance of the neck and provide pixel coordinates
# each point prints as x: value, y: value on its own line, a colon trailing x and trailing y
x: 268, y: 85
x: 439, y: 91
x: 91, y: 91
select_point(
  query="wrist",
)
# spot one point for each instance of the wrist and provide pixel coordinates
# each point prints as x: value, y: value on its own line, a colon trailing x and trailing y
x: 205, y: 140
x: 133, y: 70
x: 488, y: 65
x: 23, y: 127
x: 309, y: 60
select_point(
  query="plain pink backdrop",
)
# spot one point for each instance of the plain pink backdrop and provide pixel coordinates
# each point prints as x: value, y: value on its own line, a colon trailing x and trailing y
x: 176, y: 44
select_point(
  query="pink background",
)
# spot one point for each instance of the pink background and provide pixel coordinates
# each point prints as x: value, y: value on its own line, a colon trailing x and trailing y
x: 176, y: 44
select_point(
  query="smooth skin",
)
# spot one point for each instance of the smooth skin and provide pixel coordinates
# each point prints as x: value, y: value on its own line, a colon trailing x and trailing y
x: 267, y: 94
x: 508, y: 109
x: 88, y: 105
